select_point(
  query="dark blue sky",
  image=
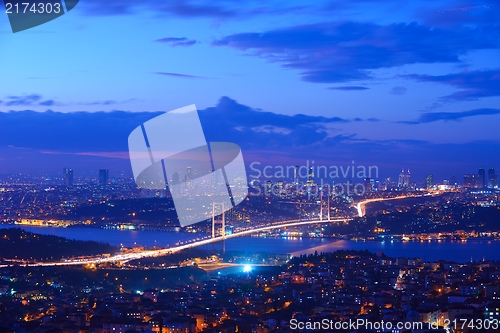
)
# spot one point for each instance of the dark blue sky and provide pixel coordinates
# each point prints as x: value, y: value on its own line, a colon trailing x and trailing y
x: 387, y: 83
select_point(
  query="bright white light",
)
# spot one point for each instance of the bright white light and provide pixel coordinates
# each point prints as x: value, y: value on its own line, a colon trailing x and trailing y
x: 247, y: 268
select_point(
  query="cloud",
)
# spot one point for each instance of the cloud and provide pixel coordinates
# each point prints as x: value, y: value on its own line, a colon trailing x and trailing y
x: 398, y: 90
x: 449, y: 14
x: 218, y: 9
x: 456, y: 13
x: 349, y: 88
x: 27, y: 100
x: 257, y: 130
x: 124, y: 155
x: 107, y: 132
x: 184, y: 76
x: 91, y: 141
x: 430, y: 117
x: 350, y: 51
x: 268, y: 129
x: 108, y: 102
x: 177, y: 41
x: 49, y: 102
x: 37, y: 100
x: 474, y: 84
x: 70, y: 132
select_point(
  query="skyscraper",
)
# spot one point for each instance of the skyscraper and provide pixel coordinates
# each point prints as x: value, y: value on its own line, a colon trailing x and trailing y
x: 453, y: 181
x: 103, y: 176
x: 470, y: 180
x: 296, y: 175
x: 176, y: 179
x: 368, y: 185
x: 481, y: 178
x: 407, y: 179
x: 269, y: 187
x: 401, y: 179
x: 310, y: 178
x: 388, y: 184
x: 429, y: 181
x: 492, y: 178
x: 68, y: 176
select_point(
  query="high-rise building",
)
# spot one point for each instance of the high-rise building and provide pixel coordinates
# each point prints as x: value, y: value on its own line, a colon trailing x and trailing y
x: 68, y: 176
x: 310, y: 178
x: 401, y: 179
x: 269, y: 187
x: 103, y: 177
x: 296, y: 175
x: 176, y: 179
x: 453, y: 181
x: 368, y: 185
x: 492, y: 178
x: 407, y: 179
x: 481, y: 178
x: 189, y: 174
x: 470, y: 180
x: 388, y: 184
x: 429, y: 181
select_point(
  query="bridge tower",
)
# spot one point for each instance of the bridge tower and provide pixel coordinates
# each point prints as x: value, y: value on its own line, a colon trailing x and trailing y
x: 321, y: 205
x: 222, y: 222
x: 329, y: 217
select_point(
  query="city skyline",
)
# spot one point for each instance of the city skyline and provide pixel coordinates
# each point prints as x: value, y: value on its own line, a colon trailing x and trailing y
x: 418, y: 88
x: 292, y: 175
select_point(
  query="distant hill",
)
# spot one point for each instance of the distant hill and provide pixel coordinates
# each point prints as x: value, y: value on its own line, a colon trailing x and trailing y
x: 161, y: 211
x: 20, y: 244
x: 149, y: 211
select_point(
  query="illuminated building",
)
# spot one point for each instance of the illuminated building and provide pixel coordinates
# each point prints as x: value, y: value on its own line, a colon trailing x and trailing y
x: 68, y: 176
x: 492, y: 311
x: 310, y: 178
x: 453, y: 181
x: 407, y: 179
x: 269, y: 187
x: 429, y: 182
x: 404, y: 179
x: 103, y: 176
x: 368, y: 185
x: 492, y: 178
x: 401, y: 179
x: 470, y: 180
x: 176, y: 179
x: 388, y: 184
x: 481, y: 178
x: 279, y: 185
x: 279, y: 188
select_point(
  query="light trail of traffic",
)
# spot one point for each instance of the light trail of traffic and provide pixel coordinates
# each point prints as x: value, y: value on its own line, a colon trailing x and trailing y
x: 360, y: 206
x: 161, y: 252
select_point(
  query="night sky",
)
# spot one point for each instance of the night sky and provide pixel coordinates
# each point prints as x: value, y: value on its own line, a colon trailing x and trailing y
x: 413, y: 84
